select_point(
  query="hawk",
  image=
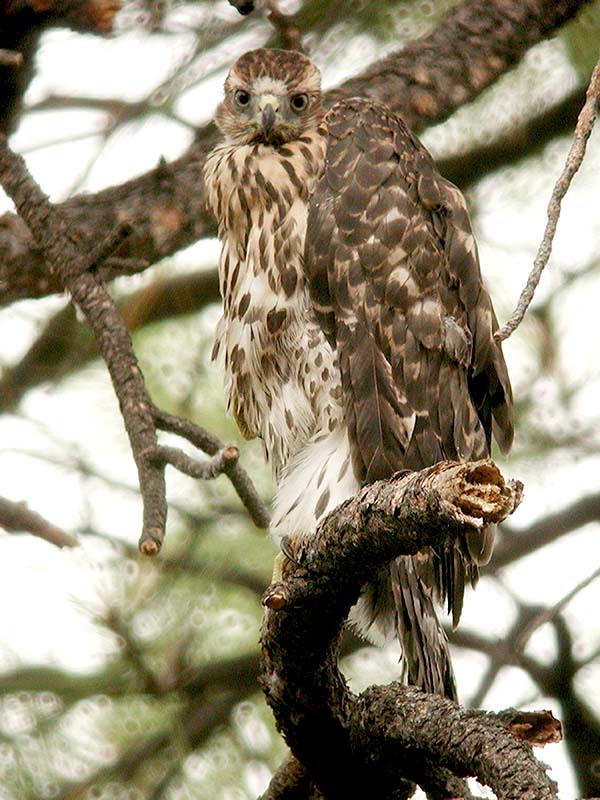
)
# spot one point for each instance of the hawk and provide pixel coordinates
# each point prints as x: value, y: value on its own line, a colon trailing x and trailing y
x: 357, y: 335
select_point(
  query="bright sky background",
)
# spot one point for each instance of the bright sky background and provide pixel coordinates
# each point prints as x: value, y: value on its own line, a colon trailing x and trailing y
x: 53, y: 595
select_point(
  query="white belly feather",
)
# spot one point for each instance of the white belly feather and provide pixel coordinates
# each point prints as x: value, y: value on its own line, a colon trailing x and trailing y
x: 282, y: 377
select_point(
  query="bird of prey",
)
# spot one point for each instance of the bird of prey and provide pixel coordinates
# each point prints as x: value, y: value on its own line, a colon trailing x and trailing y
x: 357, y: 335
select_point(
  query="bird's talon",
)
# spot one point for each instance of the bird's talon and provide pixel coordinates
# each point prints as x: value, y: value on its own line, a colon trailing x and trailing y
x: 285, y: 546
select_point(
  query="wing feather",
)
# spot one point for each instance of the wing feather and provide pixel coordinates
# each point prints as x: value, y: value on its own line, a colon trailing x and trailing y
x: 394, y: 277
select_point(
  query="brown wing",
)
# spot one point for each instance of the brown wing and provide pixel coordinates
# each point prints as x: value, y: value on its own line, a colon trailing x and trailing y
x: 395, y: 282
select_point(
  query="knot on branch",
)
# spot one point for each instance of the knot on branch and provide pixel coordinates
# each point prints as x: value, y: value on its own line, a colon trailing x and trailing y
x: 537, y: 728
x: 480, y: 495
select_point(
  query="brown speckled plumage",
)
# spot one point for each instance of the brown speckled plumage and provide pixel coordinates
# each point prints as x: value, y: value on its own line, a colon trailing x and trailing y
x: 357, y: 333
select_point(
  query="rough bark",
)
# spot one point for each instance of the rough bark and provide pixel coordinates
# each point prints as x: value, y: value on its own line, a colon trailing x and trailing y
x: 425, y: 82
x: 22, y: 22
x: 393, y: 736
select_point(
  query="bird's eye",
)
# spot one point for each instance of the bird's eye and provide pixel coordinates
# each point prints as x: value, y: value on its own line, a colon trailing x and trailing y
x: 299, y: 102
x: 242, y: 98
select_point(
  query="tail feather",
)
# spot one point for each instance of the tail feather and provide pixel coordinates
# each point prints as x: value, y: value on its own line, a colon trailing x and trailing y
x: 424, y: 644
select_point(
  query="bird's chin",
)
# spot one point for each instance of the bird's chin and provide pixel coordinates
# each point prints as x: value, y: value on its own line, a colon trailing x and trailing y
x: 273, y: 138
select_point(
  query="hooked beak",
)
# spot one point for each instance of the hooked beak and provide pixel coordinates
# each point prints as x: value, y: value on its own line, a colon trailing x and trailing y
x: 267, y: 119
x: 268, y: 108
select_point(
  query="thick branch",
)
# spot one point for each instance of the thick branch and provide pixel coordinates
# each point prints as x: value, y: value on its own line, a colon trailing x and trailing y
x: 476, y: 43
x: 349, y: 744
x: 425, y: 82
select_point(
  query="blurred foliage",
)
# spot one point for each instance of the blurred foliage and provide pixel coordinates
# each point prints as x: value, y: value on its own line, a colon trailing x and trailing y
x: 168, y: 704
x: 582, y: 38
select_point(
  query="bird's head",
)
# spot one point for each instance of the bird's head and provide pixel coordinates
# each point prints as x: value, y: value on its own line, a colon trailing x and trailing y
x: 271, y: 96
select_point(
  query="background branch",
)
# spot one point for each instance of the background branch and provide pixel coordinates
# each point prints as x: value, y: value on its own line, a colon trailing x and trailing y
x: 583, y: 130
x: 16, y: 517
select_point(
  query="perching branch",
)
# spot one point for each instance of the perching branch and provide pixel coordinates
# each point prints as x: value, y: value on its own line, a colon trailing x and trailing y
x: 583, y: 130
x: 390, y: 736
x: 76, y: 264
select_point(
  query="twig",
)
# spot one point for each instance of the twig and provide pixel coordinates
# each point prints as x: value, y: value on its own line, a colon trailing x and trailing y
x: 17, y: 517
x: 197, y: 469
x: 70, y: 261
x: 10, y: 58
x: 583, y: 129
x: 209, y: 444
x: 286, y: 26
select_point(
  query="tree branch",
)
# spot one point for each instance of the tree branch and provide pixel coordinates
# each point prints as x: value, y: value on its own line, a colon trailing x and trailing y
x: 386, y: 736
x: 425, y: 82
x: 17, y: 517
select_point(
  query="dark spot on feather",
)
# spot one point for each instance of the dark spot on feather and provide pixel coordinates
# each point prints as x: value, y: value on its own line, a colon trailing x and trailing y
x: 319, y: 360
x: 244, y: 304
x: 289, y: 418
x: 325, y: 375
x: 275, y: 319
x: 235, y: 276
x: 266, y: 363
x: 322, y: 503
x: 322, y: 475
x: 294, y: 505
x: 293, y: 177
x: 289, y: 280
x: 344, y: 468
